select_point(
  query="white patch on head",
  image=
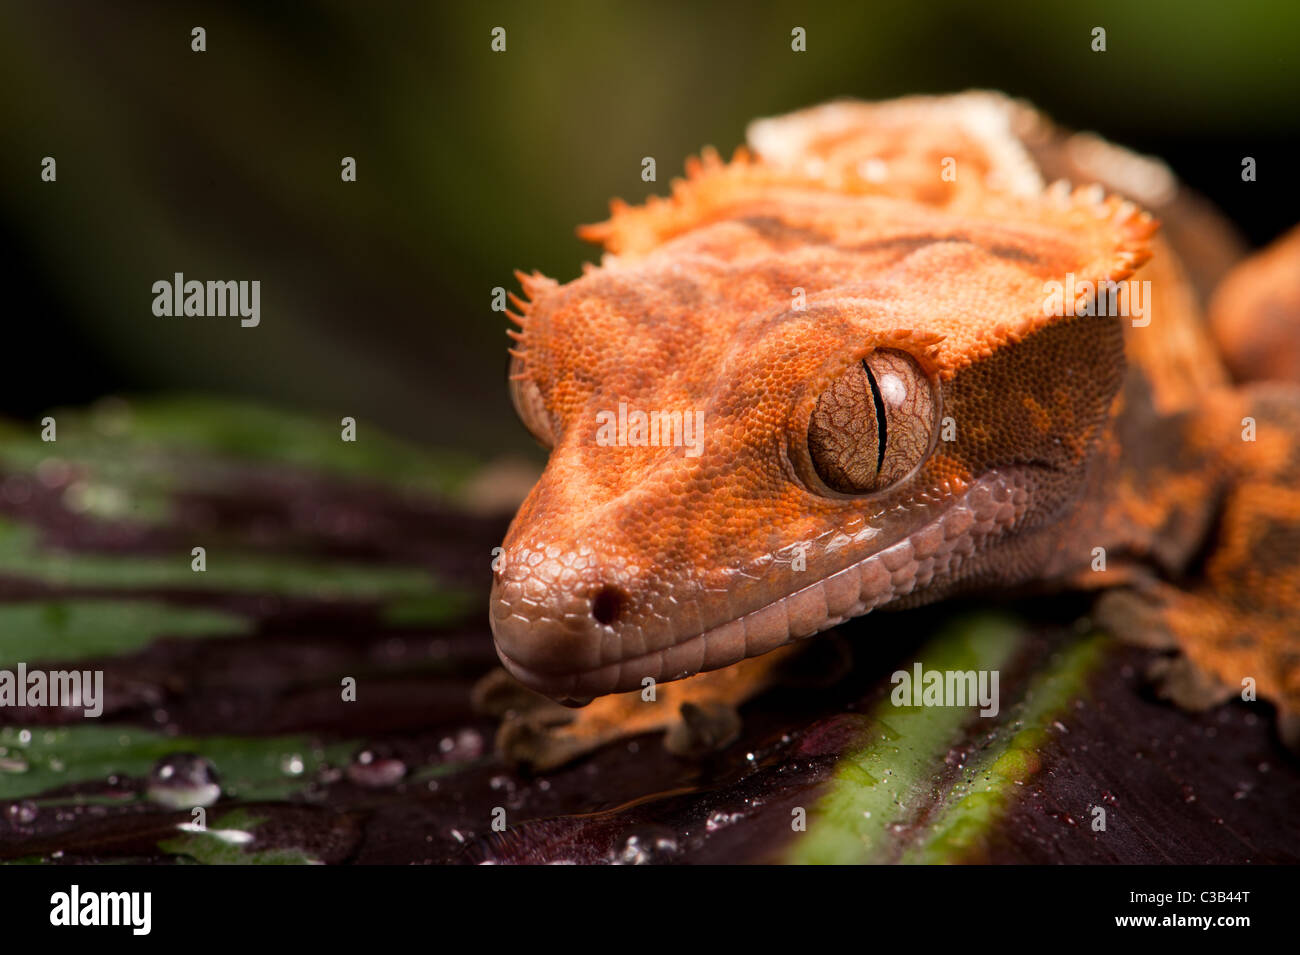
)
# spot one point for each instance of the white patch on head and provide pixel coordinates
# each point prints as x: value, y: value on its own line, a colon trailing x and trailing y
x: 1147, y: 179
x: 991, y: 119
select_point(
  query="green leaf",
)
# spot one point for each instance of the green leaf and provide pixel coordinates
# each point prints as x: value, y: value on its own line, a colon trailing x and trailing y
x: 123, y: 442
x: 20, y: 556
x: 250, y: 768
x: 54, y: 631
x: 894, y: 770
x: 225, y: 842
x: 973, y: 806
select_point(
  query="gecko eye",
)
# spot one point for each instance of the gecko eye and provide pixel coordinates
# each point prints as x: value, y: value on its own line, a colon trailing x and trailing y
x: 529, y: 405
x: 872, y: 426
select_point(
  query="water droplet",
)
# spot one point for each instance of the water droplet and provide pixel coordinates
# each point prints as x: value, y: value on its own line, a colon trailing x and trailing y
x: 22, y: 813
x: 17, y: 490
x: 465, y: 745
x: 53, y: 472
x: 183, y: 781
x: 647, y: 846
x: 376, y: 771
x: 13, y: 762
x: 720, y: 820
x: 291, y: 765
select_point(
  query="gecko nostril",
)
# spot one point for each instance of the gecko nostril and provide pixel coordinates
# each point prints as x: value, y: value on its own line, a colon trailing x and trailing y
x: 607, y: 604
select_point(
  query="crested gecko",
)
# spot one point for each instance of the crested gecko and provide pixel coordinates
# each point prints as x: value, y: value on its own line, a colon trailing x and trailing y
x: 920, y: 364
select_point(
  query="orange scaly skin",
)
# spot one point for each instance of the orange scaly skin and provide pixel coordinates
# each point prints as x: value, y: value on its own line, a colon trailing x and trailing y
x: 890, y: 263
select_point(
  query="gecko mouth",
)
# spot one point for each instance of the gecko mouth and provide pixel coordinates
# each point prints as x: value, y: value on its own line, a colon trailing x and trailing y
x: 933, y: 553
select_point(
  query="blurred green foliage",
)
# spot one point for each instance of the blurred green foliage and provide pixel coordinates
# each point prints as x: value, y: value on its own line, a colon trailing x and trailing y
x: 375, y: 294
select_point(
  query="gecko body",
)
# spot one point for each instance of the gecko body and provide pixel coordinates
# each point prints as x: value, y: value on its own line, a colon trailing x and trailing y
x: 886, y: 318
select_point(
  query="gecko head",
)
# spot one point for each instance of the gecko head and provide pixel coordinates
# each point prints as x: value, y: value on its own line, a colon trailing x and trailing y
x: 770, y: 424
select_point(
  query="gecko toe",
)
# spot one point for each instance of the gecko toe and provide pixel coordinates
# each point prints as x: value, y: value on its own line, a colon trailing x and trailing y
x: 704, y: 728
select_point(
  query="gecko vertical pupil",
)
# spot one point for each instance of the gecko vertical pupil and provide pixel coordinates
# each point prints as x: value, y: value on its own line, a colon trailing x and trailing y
x: 607, y: 604
x: 872, y: 425
x: 882, y: 434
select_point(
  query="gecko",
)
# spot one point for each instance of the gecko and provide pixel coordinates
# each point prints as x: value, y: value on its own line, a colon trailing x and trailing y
x: 932, y: 346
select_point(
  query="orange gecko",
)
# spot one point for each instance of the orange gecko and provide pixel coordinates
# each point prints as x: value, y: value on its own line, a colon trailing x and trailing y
x: 920, y: 364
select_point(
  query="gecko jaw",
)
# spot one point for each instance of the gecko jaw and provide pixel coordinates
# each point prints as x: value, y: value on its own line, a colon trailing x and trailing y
x: 991, y: 506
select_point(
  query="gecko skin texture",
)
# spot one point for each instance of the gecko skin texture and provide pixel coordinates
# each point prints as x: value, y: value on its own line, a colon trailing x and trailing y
x: 856, y: 313
x: 935, y: 550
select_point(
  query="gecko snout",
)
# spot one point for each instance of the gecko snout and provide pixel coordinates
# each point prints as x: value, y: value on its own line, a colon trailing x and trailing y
x: 562, y: 624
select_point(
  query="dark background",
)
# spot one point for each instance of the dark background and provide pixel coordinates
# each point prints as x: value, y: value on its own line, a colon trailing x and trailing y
x: 375, y: 294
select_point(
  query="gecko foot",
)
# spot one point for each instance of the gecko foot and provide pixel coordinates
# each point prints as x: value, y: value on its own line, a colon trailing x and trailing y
x: 1178, y: 680
x: 703, y: 728
x: 697, y: 716
x: 1226, y: 649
